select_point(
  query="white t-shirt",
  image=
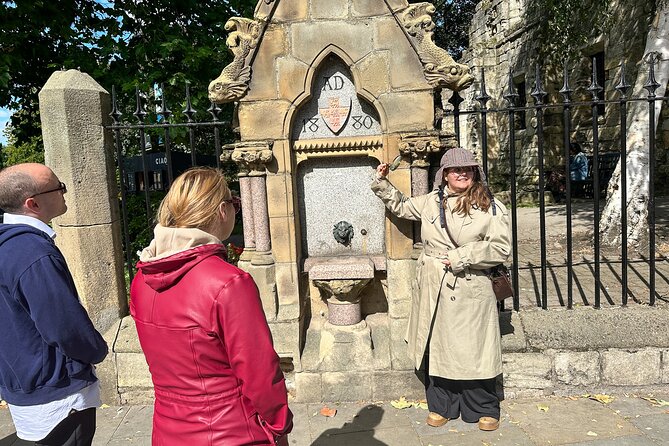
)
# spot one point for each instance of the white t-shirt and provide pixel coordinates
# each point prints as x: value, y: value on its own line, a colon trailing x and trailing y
x: 33, y: 423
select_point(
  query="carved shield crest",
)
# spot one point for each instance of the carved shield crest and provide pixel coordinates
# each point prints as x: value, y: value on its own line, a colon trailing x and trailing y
x: 335, y: 115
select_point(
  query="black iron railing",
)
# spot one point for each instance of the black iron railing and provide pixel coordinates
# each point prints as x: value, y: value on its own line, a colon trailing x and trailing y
x: 566, y: 107
x: 163, y: 116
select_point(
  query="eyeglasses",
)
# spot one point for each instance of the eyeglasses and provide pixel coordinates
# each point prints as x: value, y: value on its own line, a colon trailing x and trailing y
x: 236, y: 203
x: 459, y: 170
x: 61, y: 187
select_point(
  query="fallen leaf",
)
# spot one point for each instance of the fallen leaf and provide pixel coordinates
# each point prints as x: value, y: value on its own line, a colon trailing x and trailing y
x: 420, y: 405
x: 402, y: 403
x: 455, y: 431
x: 604, y: 399
x: 656, y: 402
x: 327, y: 412
x: 104, y: 406
x: 573, y: 398
x: 3, y: 403
x: 666, y: 411
x: 542, y: 407
x: 591, y: 434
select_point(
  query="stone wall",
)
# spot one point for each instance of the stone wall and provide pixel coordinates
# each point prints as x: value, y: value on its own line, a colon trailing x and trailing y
x: 556, y: 352
x: 502, y: 41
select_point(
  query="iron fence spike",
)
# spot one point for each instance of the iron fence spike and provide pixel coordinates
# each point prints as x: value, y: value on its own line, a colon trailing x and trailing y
x: 512, y: 94
x: 140, y: 112
x: 483, y: 97
x: 651, y: 83
x: 566, y: 90
x: 189, y: 111
x: 594, y: 87
x: 115, y: 113
x: 164, y: 111
x: 214, y: 110
x: 623, y: 87
x: 539, y: 94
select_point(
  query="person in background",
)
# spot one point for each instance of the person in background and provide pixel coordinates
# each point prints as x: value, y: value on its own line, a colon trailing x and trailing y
x: 453, y: 331
x: 578, y: 165
x: 48, y: 343
x: 202, y: 328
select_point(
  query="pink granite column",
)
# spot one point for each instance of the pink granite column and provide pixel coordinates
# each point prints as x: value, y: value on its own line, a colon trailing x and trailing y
x: 252, y: 157
x: 247, y: 217
x: 420, y: 185
x: 261, y: 221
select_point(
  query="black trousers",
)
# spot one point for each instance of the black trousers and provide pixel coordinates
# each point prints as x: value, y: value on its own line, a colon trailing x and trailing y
x: 77, y: 429
x: 466, y: 399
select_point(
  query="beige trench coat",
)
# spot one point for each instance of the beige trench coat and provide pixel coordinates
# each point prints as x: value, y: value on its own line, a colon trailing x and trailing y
x: 465, y: 342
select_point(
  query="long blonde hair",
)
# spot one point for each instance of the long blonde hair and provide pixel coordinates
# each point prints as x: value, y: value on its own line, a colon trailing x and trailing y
x: 194, y: 199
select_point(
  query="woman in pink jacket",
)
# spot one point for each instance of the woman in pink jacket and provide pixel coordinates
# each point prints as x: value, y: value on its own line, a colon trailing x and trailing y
x: 202, y: 328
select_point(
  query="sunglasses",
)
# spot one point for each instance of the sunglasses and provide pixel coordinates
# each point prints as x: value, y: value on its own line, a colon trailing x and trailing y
x: 61, y: 187
x: 236, y: 203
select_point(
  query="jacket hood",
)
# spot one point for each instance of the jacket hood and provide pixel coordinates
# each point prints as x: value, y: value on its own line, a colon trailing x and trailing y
x: 8, y: 232
x: 174, y: 252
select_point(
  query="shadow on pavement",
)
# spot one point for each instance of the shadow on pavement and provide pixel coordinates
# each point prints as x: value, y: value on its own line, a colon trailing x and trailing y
x: 358, y: 432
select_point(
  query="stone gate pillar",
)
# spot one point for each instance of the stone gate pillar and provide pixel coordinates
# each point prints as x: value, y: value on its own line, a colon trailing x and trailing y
x: 73, y: 110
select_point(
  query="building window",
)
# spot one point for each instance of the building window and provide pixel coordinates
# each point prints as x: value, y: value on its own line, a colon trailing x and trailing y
x: 521, y: 115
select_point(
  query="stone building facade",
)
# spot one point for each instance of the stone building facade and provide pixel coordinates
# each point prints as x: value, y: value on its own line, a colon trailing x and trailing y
x: 503, y: 42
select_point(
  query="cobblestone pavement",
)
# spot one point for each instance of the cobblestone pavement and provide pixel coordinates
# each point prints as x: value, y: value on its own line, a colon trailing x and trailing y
x: 627, y: 420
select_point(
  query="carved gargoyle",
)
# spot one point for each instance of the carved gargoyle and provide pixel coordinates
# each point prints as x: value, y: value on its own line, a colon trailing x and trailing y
x: 440, y: 68
x: 233, y: 81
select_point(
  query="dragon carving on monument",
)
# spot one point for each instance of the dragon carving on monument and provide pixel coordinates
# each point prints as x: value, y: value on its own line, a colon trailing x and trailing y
x: 233, y: 81
x: 441, y: 71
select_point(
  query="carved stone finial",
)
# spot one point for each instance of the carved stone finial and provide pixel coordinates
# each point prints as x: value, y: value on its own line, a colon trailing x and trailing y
x: 252, y: 157
x: 441, y: 71
x: 419, y: 148
x: 233, y: 83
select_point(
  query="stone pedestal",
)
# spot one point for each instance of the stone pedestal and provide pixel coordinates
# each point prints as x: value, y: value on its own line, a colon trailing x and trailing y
x: 340, y: 280
x: 344, y: 300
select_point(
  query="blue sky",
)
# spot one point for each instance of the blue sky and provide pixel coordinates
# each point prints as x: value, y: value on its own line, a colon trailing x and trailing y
x: 4, y: 119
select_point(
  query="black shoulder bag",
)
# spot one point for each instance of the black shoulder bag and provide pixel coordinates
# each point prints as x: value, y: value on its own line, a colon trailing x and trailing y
x: 499, y: 275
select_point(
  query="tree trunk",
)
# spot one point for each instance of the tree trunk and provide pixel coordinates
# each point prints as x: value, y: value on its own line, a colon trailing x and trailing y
x: 638, y: 162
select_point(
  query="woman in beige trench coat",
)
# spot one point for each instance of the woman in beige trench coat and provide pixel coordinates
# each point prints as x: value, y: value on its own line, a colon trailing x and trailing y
x: 454, y: 327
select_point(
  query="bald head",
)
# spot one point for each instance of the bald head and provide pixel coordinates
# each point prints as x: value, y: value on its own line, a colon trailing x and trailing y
x: 21, y: 182
x: 16, y: 184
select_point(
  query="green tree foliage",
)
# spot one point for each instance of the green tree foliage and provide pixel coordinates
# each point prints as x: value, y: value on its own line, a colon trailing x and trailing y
x: 452, y: 18
x: 564, y: 26
x: 124, y: 43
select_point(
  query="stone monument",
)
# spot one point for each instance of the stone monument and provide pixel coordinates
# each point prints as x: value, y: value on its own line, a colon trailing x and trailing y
x: 327, y: 90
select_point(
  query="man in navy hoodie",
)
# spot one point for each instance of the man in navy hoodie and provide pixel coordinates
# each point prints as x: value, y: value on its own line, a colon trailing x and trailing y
x: 47, y: 341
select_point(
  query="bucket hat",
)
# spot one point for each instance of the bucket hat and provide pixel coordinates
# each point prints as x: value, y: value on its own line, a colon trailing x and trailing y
x: 457, y: 157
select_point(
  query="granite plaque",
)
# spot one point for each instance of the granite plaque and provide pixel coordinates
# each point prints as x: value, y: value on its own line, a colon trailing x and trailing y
x: 333, y: 190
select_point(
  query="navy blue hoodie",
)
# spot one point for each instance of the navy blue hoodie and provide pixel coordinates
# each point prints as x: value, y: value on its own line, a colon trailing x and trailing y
x: 47, y: 340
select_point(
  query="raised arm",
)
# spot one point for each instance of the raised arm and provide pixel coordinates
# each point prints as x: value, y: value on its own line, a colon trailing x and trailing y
x: 396, y: 202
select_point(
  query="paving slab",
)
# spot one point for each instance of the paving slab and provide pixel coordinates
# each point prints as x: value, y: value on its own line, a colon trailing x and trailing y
x: 558, y: 421
x: 575, y: 421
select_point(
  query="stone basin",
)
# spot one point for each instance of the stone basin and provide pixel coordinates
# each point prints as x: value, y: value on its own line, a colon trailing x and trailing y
x: 341, y: 279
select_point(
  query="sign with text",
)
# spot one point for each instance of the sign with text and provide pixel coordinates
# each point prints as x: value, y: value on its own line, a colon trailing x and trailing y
x: 335, y: 109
